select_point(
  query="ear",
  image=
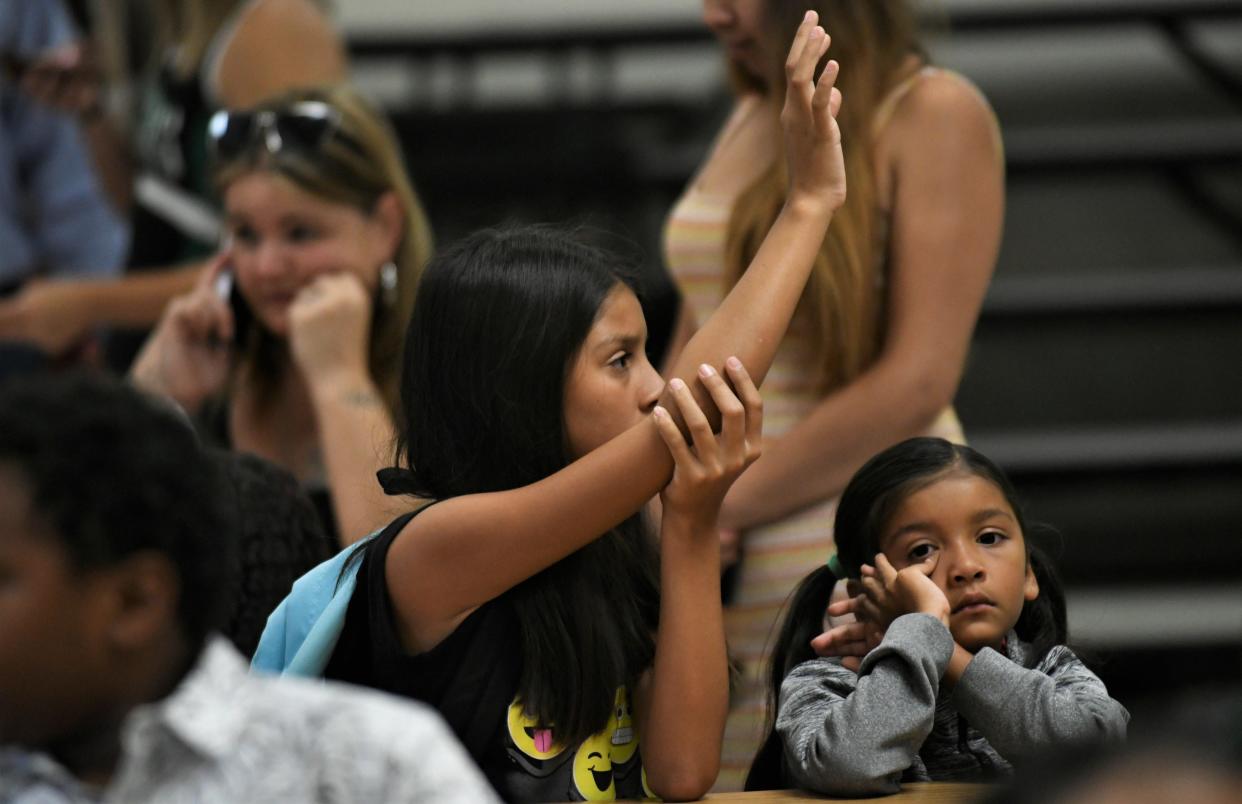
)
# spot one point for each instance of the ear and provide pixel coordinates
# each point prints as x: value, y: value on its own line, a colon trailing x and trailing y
x: 1030, y: 585
x: 146, y: 592
x: 388, y: 219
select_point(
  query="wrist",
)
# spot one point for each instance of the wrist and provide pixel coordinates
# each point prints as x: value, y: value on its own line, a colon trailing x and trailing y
x: 344, y: 383
x: 681, y: 524
x: 808, y: 207
x: 958, y: 662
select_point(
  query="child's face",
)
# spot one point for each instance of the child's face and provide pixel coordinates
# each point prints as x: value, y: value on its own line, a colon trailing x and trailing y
x: 51, y: 630
x: 966, y: 528
x: 611, y: 386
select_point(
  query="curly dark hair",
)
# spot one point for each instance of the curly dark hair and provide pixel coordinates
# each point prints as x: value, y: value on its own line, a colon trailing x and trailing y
x: 112, y: 472
x: 279, y: 538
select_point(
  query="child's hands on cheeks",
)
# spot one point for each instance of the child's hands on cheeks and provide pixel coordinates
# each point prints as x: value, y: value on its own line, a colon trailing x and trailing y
x: 881, y: 596
x: 705, y: 468
x: 888, y: 594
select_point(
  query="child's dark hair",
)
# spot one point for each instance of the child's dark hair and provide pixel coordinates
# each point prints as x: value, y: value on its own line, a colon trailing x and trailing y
x: 866, y: 505
x: 112, y: 473
x: 499, y: 320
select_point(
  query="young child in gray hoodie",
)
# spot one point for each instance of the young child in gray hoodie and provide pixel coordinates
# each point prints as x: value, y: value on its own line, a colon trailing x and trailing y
x: 953, y: 665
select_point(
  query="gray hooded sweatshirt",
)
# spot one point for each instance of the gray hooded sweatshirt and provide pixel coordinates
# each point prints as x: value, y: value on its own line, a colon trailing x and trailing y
x: 858, y: 735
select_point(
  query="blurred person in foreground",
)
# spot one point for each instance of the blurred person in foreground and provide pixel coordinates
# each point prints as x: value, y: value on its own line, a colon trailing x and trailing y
x: 114, y: 565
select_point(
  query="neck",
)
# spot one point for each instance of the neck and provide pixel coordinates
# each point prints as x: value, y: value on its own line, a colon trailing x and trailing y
x: 93, y: 754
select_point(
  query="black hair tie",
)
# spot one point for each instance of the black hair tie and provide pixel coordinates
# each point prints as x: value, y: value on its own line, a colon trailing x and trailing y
x: 397, y: 481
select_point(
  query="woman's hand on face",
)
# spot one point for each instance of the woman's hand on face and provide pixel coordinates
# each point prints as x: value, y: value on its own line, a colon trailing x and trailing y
x: 188, y: 356
x: 809, y: 119
x: 329, y: 323
x: 705, y: 468
x: 887, y: 594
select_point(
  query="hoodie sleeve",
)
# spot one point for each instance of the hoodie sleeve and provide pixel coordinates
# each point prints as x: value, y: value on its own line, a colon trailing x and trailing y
x: 856, y: 735
x: 1023, y: 711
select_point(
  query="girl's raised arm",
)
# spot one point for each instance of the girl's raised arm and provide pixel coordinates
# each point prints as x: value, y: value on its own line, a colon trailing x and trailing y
x: 470, y: 549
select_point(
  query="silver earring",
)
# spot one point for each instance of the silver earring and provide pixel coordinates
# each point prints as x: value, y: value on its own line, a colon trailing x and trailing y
x: 388, y: 283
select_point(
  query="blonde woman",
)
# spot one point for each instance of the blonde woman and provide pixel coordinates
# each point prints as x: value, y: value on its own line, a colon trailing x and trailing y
x: 326, y: 241
x: 197, y: 56
x: 877, y: 348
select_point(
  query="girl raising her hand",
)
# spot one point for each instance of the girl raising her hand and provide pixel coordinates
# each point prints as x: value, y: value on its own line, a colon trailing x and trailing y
x: 574, y: 655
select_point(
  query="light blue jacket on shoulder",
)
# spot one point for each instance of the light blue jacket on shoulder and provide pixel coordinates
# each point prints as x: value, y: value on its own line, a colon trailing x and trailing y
x: 303, y: 630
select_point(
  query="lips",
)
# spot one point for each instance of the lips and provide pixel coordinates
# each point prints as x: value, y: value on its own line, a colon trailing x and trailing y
x: 971, y: 600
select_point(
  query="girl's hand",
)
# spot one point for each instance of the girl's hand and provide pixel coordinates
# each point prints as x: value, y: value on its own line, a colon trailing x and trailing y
x: 704, y: 469
x: 887, y: 594
x: 188, y: 356
x: 850, y: 635
x: 329, y: 322
x: 809, y: 119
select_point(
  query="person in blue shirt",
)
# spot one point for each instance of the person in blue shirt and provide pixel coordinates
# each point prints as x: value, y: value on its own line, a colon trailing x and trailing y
x: 55, y: 218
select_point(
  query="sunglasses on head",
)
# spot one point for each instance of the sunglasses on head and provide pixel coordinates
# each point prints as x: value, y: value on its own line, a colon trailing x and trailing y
x: 305, y: 125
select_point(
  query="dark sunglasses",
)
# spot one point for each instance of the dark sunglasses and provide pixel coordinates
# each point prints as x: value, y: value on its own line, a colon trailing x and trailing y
x: 305, y: 125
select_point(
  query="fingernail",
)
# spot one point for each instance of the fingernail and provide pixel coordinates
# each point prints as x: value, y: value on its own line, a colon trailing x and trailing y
x: 706, y: 370
x: 676, y: 384
x: 808, y: 16
x: 817, y: 32
x: 734, y: 363
x: 659, y: 412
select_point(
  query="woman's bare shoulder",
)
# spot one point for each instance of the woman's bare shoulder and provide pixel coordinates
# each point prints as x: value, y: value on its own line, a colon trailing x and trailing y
x: 943, y: 99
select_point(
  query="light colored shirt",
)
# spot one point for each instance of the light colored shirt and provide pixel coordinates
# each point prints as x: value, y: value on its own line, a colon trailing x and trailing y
x: 55, y: 219
x: 226, y: 735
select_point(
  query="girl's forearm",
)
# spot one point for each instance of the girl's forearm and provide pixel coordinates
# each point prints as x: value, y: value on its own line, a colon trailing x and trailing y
x: 752, y: 319
x: 683, y: 715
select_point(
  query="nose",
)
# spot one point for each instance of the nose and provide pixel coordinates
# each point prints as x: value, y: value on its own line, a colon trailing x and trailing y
x: 269, y: 258
x: 718, y: 14
x: 964, y: 566
x: 650, y: 388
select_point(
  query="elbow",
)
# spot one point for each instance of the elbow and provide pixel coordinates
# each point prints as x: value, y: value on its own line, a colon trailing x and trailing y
x: 683, y: 782
x: 929, y: 389
x: 841, y: 775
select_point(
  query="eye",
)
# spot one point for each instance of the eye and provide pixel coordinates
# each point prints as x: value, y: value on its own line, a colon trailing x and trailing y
x: 991, y: 537
x: 920, y: 552
x: 244, y: 235
x: 621, y: 361
x: 301, y: 233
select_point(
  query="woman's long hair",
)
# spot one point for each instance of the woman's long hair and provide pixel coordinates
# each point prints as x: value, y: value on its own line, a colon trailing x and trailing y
x: 866, y: 506
x: 499, y: 320
x: 842, y: 309
x: 357, y: 173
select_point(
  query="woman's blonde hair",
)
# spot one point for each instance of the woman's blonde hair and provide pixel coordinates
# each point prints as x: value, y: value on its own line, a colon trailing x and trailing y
x: 357, y: 168
x: 842, y: 307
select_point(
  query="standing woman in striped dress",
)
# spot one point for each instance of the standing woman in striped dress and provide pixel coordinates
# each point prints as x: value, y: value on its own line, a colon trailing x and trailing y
x: 878, y: 346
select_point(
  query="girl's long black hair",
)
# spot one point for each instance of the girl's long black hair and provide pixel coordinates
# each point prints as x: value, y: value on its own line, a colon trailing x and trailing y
x: 870, y: 498
x: 498, y: 322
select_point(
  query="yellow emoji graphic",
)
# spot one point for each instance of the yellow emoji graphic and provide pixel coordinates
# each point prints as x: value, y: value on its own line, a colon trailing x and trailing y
x: 624, y: 738
x: 593, y: 768
x: 647, y: 789
x: 532, y: 738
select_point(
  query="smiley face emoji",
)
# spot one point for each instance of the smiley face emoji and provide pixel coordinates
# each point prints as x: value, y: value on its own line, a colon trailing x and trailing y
x: 593, y: 768
x: 532, y: 738
x: 623, y: 739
